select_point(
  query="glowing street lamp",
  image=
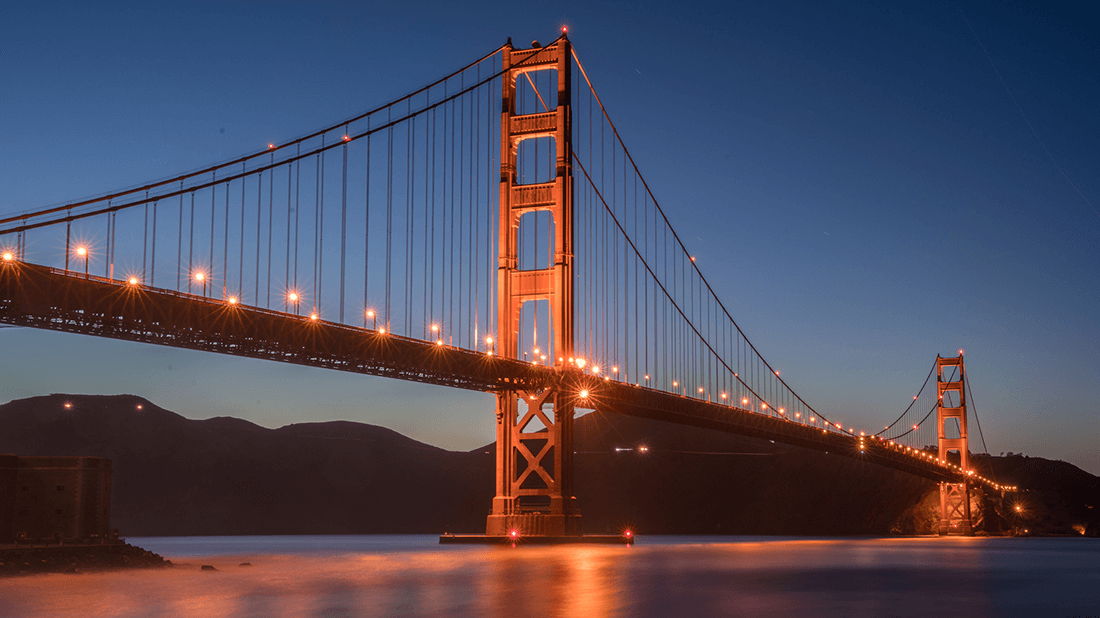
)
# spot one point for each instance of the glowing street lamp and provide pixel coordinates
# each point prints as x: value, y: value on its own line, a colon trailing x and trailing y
x: 201, y: 278
x: 292, y: 298
x: 83, y: 252
x: 8, y: 256
x: 373, y: 319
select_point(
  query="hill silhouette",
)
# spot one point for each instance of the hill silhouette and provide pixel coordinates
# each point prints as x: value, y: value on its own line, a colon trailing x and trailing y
x: 227, y: 476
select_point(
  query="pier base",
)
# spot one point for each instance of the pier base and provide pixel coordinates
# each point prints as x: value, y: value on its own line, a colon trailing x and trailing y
x: 485, y: 539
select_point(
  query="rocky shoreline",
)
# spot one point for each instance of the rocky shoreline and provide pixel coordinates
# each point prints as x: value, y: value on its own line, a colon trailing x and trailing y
x: 29, y: 560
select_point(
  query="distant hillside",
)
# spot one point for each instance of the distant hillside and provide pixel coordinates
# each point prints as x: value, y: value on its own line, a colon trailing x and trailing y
x: 176, y: 476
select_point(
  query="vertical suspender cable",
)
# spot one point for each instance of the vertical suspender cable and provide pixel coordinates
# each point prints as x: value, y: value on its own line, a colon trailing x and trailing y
x: 343, y: 223
x: 270, y: 224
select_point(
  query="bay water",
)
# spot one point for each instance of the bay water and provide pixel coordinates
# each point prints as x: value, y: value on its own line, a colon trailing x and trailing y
x: 412, y: 575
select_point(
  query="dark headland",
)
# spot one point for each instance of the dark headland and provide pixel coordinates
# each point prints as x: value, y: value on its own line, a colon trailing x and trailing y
x: 226, y: 476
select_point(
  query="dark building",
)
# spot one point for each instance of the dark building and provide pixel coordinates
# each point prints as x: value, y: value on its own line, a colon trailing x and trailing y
x: 54, y: 499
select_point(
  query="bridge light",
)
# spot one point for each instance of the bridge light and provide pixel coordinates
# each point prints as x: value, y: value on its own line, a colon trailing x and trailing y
x: 724, y: 395
x: 513, y: 533
x: 914, y: 426
x: 347, y: 138
x: 675, y: 384
x: 370, y: 313
x: 293, y: 297
x: 131, y: 281
x: 580, y: 363
x: 489, y: 340
x: 744, y: 400
x: 700, y: 389
x: 543, y: 357
x: 271, y: 146
x: 584, y: 394
x: 8, y: 256
x: 763, y: 406
x: 69, y: 406
x: 813, y: 419
x: 615, y: 369
x: 782, y: 411
x: 439, y: 342
x: 435, y: 328
x: 200, y: 277
x: 693, y: 258
x: 536, y: 350
x: 647, y: 376
x: 595, y: 368
x: 81, y: 251
x: 232, y: 300
x: 960, y: 352
x: 382, y: 331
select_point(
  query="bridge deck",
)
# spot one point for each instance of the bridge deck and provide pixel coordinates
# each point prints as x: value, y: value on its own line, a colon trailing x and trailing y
x: 41, y: 297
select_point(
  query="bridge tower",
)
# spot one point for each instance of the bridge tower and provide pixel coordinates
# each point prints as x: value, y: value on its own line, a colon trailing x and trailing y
x: 954, y: 497
x: 534, y: 474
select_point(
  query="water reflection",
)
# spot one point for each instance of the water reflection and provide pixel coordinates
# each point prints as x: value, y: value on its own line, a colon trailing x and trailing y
x: 412, y: 576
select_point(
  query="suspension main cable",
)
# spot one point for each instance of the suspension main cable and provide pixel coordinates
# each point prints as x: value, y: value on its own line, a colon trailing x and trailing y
x: 676, y: 305
x: 912, y: 403
x: 679, y: 241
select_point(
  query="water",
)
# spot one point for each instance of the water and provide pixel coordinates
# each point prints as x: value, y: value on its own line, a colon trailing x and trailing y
x: 329, y: 576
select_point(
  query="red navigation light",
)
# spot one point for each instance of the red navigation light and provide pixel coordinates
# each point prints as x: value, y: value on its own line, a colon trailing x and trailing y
x: 347, y: 138
x: 271, y: 146
x: 628, y: 533
x: 563, y: 32
x: 513, y: 533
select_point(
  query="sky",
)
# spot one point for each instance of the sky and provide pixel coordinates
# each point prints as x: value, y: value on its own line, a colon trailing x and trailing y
x: 865, y: 186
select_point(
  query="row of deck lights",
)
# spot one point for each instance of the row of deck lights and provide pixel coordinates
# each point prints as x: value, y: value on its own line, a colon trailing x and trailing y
x: 294, y: 298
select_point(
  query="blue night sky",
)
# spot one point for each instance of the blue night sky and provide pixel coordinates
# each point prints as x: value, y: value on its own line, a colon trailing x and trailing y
x: 856, y: 181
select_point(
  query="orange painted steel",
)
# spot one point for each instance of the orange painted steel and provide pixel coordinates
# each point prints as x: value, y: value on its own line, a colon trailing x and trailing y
x: 534, y: 431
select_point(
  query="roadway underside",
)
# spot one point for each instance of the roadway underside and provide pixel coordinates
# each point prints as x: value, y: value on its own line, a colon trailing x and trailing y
x: 41, y: 297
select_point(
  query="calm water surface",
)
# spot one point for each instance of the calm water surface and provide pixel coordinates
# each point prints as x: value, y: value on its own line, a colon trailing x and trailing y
x: 661, y: 576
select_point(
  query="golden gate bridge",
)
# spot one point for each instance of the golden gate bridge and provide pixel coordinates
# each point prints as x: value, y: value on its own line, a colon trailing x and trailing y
x: 489, y: 231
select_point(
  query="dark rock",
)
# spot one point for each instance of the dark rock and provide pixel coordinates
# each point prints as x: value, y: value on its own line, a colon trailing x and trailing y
x: 207, y: 567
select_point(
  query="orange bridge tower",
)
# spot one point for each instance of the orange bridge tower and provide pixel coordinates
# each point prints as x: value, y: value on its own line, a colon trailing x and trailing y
x: 951, y: 427
x: 534, y: 469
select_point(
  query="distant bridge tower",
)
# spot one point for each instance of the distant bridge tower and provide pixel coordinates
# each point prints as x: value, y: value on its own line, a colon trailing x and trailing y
x: 954, y: 497
x: 534, y: 475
